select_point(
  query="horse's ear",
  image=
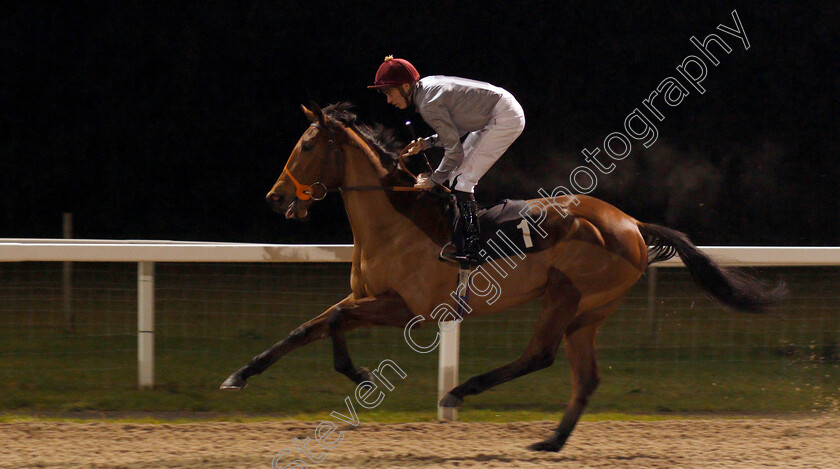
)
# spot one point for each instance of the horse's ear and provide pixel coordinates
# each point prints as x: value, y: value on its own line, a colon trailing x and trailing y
x: 318, y: 113
x: 309, y: 114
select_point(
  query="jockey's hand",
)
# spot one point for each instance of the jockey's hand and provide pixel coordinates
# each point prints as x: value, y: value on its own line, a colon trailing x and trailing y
x: 415, y: 147
x: 424, y: 181
x: 439, y: 191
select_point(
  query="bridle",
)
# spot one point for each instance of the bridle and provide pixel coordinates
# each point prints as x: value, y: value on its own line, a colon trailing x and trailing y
x: 306, y: 192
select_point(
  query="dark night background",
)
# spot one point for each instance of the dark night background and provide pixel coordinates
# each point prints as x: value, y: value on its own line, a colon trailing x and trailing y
x: 159, y: 120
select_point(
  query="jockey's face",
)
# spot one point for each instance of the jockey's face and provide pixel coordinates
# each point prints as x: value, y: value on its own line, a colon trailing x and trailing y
x: 398, y: 96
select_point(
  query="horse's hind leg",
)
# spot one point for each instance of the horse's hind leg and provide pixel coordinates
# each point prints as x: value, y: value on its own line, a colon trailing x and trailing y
x: 580, y: 350
x: 560, y: 304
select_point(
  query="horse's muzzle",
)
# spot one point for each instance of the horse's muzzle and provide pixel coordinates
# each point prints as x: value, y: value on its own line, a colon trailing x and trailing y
x: 277, y: 203
x: 292, y: 208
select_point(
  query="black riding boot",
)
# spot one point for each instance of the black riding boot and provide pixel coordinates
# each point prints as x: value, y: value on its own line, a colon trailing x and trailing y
x: 470, y: 242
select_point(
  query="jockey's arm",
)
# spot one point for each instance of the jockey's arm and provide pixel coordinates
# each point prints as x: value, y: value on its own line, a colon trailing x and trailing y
x: 448, y: 136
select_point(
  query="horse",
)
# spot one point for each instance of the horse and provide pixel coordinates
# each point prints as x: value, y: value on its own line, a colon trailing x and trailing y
x: 592, y: 255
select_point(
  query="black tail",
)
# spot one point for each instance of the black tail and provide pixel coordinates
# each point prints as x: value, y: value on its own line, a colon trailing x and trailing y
x: 730, y: 287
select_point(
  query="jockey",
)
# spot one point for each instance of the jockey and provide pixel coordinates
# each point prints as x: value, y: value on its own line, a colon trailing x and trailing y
x: 489, y: 117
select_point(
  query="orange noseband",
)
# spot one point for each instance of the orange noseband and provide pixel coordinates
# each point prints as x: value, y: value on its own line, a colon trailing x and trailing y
x: 303, y: 191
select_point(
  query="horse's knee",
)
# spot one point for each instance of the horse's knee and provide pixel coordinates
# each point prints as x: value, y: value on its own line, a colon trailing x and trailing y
x: 298, y: 333
x: 335, y: 319
x: 543, y: 360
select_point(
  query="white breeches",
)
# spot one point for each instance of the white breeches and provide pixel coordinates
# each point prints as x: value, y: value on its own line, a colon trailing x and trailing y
x: 483, y: 147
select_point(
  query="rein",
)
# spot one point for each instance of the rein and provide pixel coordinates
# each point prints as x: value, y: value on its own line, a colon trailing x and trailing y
x: 379, y: 188
x: 306, y: 192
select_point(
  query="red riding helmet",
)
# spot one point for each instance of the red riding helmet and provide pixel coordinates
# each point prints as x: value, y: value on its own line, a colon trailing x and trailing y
x: 395, y: 72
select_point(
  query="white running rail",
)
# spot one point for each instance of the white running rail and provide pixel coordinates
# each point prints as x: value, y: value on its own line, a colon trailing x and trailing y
x: 146, y: 253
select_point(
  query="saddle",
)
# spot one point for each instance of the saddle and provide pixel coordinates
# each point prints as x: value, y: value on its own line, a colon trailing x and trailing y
x: 503, y: 231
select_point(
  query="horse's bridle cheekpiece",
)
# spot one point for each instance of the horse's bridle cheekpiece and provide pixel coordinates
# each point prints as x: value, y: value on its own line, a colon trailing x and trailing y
x: 306, y: 192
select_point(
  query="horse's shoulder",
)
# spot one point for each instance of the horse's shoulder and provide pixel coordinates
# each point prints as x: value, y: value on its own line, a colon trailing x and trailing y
x: 425, y: 211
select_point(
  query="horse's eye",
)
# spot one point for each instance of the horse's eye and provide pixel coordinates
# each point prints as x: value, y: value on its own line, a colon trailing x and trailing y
x: 307, y: 147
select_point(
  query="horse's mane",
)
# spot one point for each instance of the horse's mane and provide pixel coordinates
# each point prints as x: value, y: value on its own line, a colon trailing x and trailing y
x: 427, y: 212
x: 380, y: 138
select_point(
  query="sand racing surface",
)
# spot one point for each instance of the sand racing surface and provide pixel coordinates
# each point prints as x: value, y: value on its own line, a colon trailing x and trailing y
x: 735, y: 443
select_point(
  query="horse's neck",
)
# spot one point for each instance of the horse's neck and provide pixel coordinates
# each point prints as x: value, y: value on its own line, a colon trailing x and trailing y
x: 372, y: 217
x: 381, y: 219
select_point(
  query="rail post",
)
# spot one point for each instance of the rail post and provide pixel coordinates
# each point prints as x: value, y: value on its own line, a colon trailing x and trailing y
x: 67, y: 276
x: 145, y: 324
x: 449, y: 352
x: 651, y: 301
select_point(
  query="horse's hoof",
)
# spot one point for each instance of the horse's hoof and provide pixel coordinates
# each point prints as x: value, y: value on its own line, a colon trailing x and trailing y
x: 364, y: 375
x: 235, y: 382
x: 547, y: 445
x: 451, y: 401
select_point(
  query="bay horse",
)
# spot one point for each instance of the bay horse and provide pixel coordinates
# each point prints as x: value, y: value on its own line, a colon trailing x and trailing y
x: 593, y: 255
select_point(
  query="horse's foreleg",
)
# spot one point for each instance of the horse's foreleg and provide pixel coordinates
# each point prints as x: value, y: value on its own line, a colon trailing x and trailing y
x: 560, y: 304
x: 310, y: 331
x: 383, y: 310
